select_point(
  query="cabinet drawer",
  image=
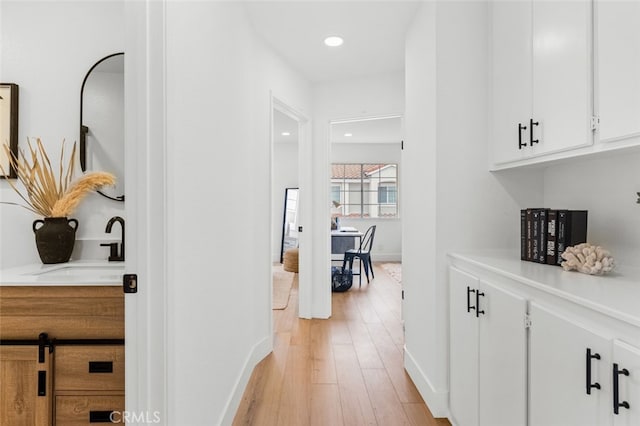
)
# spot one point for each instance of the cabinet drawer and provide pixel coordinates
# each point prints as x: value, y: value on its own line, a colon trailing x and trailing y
x: 89, y: 367
x: 88, y: 410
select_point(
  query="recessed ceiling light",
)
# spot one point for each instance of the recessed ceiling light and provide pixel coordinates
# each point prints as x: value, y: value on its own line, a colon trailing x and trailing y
x: 348, y: 134
x: 333, y: 41
x: 286, y: 134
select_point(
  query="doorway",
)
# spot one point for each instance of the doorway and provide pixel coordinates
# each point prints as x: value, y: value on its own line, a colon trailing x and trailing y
x: 290, y: 254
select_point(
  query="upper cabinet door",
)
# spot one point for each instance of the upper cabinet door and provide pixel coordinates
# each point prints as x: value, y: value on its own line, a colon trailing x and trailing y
x: 562, y: 82
x: 618, y: 69
x: 510, y: 79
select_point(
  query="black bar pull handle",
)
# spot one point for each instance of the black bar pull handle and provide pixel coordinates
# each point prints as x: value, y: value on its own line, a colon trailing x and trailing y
x: 100, y: 366
x: 520, y: 129
x: 478, y: 311
x: 589, y: 357
x: 469, y: 291
x: 101, y: 417
x: 616, y: 389
x: 42, y: 383
x: 531, y: 124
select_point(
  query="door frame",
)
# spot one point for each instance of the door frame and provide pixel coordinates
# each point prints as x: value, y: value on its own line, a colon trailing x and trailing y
x: 305, y: 293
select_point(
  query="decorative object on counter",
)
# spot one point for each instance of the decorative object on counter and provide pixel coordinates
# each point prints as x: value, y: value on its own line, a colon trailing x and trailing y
x: 52, y: 196
x: 545, y: 233
x: 588, y: 259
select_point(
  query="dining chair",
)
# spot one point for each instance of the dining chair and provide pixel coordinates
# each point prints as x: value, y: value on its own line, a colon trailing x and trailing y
x: 363, y: 253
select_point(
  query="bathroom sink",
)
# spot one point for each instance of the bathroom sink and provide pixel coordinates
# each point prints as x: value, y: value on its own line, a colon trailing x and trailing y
x: 79, y: 272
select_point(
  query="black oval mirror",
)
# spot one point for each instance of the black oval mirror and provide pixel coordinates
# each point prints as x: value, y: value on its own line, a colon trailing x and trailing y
x: 102, y: 122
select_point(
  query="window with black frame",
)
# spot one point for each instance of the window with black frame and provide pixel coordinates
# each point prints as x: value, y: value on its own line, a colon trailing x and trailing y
x: 365, y: 190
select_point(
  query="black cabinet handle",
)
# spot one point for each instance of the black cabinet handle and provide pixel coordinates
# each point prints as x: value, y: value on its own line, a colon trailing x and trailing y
x: 469, y: 291
x: 100, y: 366
x: 101, y: 416
x: 589, y: 357
x: 478, y: 311
x: 520, y: 129
x: 42, y: 383
x: 616, y: 391
x: 531, y: 124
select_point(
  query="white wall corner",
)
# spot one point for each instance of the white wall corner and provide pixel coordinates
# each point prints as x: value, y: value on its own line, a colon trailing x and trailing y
x: 436, y: 399
x: 259, y: 351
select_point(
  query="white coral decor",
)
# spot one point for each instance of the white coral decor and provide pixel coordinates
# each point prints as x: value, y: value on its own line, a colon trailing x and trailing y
x: 588, y: 259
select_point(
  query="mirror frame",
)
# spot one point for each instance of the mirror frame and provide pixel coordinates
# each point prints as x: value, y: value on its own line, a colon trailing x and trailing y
x: 84, y: 129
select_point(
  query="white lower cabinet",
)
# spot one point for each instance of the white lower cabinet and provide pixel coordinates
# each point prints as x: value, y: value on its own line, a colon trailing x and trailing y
x: 521, y: 356
x: 569, y: 380
x: 488, y: 353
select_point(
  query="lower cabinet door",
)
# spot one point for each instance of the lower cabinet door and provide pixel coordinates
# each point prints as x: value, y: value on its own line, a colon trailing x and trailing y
x: 81, y: 410
x: 626, y: 363
x: 569, y: 372
x: 503, y: 357
x: 463, y: 357
x: 25, y: 386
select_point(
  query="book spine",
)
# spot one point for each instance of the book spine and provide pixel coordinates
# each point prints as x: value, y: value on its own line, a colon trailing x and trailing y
x: 552, y: 218
x: 535, y: 236
x: 561, y: 235
x: 577, y: 227
x: 542, y: 236
x: 523, y: 234
x: 529, y: 231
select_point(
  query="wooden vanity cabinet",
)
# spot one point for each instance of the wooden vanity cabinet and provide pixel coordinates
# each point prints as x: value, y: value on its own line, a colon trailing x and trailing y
x: 85, y: 369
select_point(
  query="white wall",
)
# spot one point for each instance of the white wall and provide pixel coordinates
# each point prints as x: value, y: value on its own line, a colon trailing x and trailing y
x: 372, y: 96
x: 387, y: 244
x: 459, y: 204
x: 607, y: 188
x: 285, y: 175
x: 47, y: 49
x: 218, y: 184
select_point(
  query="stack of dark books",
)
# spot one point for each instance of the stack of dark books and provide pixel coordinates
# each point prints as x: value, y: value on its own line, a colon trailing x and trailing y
x: 546, y: 233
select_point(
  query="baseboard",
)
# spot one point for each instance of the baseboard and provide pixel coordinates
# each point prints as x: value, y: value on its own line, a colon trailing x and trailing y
x: 386, y: 257
x: 437, y: 401
x: 259, y: 351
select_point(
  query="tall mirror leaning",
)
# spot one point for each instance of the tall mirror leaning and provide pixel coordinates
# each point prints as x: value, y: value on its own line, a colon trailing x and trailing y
x: 102, y: 121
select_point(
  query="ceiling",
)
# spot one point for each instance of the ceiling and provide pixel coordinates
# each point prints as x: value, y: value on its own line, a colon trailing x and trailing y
x: 379, y: 130
x: 283, y: 123
x: 373, y: 32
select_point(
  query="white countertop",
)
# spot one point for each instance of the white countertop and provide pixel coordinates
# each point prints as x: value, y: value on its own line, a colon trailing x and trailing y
x: 616, y: 294
x: 79, y: 272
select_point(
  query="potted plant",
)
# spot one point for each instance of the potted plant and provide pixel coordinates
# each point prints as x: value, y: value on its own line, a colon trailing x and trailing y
x: 52, y: 196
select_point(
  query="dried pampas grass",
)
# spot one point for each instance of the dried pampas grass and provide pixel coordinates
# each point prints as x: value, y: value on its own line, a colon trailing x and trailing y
x: 46, y: 194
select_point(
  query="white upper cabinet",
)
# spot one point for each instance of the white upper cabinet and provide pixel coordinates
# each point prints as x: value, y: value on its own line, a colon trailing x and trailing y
x: 618, y: 69
x: 511, y: 79
x: 541, y: 78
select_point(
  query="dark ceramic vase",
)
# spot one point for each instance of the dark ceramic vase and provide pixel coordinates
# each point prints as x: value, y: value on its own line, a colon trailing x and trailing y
x: 55, y: 237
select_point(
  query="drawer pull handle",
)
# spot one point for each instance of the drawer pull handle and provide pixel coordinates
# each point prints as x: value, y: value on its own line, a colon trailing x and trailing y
x: 616, y: 389
x: 101, y: 416
x: 469, y: 291
x: 590, y: 385
x: 100, y: 366
x: 42, y: 383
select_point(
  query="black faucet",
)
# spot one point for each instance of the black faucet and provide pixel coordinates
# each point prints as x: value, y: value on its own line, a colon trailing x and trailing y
x: 113, y: 254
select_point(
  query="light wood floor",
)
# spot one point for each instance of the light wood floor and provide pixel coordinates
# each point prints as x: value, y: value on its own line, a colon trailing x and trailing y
x: 347, y: 370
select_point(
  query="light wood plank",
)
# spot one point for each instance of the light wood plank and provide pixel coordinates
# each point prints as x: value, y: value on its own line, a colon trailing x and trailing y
x: 385, y: 402
x: 354, y: 397
x: 325, y: 405
x: 295, y: 402
x: 324, y: 370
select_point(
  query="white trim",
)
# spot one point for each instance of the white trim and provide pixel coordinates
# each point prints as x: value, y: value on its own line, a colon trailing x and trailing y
x: 365, y: 118
x: 259, y: 351
x: 436, y: 400
x: 305, y: 214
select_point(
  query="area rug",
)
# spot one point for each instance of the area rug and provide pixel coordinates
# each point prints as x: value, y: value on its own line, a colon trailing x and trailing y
x: 282, y: 282
x: 394, y: 270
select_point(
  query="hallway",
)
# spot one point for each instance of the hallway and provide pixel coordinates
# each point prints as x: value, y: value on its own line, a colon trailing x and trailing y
x: 343, y: 371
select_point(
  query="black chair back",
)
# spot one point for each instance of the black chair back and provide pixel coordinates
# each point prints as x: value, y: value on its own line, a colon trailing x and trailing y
x: 366, y: 244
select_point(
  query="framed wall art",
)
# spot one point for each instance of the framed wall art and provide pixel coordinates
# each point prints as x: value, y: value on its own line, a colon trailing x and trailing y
x: 8, y: 126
